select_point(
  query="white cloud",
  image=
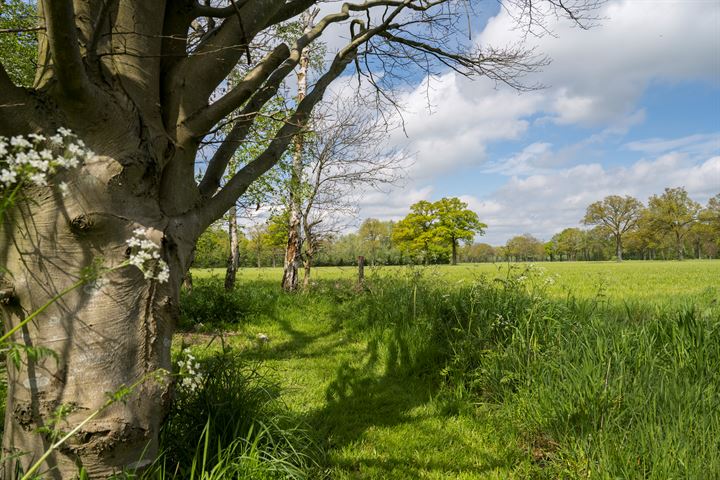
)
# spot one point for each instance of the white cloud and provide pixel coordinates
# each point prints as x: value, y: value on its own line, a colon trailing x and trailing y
x: 597, y: 76
x: 544, y: 204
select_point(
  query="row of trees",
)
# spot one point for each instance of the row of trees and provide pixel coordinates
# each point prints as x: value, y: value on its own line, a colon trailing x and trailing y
x: 672, y: 226
x: 431, y: 233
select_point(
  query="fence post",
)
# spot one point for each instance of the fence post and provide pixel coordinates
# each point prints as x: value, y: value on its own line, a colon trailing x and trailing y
x: 361, y: 269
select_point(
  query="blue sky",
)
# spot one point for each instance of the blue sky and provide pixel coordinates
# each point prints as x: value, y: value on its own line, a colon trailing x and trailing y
x: 631, y: 106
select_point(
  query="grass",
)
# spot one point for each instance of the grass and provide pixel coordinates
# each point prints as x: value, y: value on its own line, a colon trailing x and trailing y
x: 668, y: 282
x: 432, y: 373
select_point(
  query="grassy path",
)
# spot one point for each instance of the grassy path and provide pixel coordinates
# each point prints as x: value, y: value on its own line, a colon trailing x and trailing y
x: 375, y: 423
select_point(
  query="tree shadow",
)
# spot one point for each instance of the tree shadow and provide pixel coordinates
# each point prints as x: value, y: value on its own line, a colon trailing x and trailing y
x: 383, y: 389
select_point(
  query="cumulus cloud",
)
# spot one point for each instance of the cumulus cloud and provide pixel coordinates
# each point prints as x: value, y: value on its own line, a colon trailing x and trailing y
x: 544, y: 204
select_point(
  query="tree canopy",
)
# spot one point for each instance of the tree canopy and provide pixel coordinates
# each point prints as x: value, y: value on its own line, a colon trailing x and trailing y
x: 432, y: 230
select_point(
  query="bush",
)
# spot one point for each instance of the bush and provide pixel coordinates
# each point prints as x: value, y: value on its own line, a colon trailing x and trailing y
x: 209, y: 305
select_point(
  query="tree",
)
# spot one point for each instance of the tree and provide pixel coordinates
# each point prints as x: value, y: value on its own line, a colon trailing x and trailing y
x: 346, y: 153
x: 525, y: 247
x: 456, y: 223
x: 141, y: 83
x: 569, y: 242
x: 431, y: 231
x: 211, y: 249
x: 375, y: 236
x: 618, y: 214
x: 293, y: 251
x: 673, y: 213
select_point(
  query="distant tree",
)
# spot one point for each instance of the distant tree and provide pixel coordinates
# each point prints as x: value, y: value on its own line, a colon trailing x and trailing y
x: 375, y: 235
x: 478, y: 252
x: 456, y: 222
x: 417, y: 235
x: 212, y: 247
x: 705, y: 233
x: 551, y: 249
x: 569, y: 243
x: 710, y: 215
x: 433, y: 230
x: 525, y: 247
x: 673, y: 213
x: 618, y: 214
x: 18, y: 47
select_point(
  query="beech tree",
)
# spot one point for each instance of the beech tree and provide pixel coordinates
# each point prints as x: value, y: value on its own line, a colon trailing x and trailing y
x: 618, y: 214
x: 138, y: 81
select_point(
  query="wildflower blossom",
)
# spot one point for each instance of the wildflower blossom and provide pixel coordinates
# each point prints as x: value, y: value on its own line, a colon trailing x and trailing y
x: 35, y: 158
x: 145, y: 255
x: 189, y: 370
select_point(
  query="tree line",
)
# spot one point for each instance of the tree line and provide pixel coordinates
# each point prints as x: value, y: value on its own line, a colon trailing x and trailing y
x: 671, y: 226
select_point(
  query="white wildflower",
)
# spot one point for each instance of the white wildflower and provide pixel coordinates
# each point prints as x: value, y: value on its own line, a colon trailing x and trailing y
x: 8, y: 177
x: 20, y: 142
x: 38, y: 179
x: 190, y: 371
x: 64, y: 189
x: 34, y: 162
x: 145, y: 255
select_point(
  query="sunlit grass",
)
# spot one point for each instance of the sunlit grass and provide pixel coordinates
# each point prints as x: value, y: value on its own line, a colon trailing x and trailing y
x: 657, y: 281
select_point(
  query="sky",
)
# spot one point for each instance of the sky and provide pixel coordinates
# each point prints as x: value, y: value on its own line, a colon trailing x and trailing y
x: 630, y: 107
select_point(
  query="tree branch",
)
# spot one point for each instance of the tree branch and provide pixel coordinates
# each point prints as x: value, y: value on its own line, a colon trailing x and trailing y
x: 200, y: 122
x: 239, y: 183
x: 64, y: 48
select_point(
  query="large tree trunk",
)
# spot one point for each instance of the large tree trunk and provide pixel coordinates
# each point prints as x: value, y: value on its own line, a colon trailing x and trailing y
x: 233, y: 260
x: 618, y: 248
x: 106, y: 334
x: 454, y: 251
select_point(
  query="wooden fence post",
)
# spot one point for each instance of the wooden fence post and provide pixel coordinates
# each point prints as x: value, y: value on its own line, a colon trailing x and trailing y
x: 361, y: 269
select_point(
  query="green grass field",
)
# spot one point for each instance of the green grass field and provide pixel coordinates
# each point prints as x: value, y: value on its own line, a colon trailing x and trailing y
x: 605, y: 371
x: 659, y: 281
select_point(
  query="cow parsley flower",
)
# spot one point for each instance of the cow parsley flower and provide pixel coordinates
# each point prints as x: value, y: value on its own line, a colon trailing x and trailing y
x: 145, y: 255
x: 34, y: 158
x: 189, y: 370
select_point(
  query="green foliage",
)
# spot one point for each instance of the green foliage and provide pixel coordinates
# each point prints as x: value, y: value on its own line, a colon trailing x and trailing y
x: 673, y: 213
x: 210, y: 306
x: 431, y: 231
x: 524, y: 247
x: 18, y: 51
x: 212, y: 248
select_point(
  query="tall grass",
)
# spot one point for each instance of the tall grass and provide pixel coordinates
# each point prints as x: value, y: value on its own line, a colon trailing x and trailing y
x: 601, y: 389
x: 232, y: 426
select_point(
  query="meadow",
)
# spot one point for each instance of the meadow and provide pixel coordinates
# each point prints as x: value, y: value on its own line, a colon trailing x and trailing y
x: 653, y: 282
x: 553, y: 370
